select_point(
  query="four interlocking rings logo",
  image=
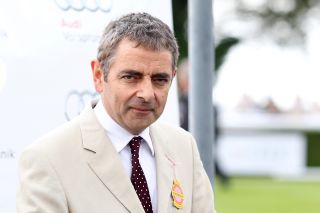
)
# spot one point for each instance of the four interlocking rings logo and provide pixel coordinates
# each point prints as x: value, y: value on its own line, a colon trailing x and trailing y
x: 80, y: 5
x: 76, y: 101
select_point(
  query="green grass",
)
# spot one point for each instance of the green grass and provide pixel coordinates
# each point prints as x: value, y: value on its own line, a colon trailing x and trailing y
x: 257, y: 195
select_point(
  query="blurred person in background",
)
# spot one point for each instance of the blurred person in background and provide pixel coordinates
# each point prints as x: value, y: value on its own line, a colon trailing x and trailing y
x: 113, y: 157
x: 183, y: 86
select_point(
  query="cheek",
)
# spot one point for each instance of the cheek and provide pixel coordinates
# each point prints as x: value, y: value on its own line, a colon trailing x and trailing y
x: 161, y: 98
x: 122, y: 97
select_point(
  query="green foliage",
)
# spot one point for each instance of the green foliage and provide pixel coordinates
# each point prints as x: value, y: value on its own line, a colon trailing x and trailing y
x: 313, y: 149
x: 180, y: 17
x: 283, y: 22
x: 222, y: 49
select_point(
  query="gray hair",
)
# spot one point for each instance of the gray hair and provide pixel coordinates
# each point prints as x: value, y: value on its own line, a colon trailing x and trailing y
x: 142, y: 28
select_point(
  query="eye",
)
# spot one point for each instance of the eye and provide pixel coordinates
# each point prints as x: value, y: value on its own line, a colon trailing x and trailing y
x: 161, y: 81
x: 128, y: 77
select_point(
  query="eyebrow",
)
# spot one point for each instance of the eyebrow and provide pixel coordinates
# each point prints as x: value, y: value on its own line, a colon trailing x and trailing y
x: 138, y: 73
x: 131, y: 72
x: 161, y: 75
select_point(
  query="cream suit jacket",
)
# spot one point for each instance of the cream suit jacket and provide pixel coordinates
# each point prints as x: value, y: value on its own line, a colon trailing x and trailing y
x: 76, y: 169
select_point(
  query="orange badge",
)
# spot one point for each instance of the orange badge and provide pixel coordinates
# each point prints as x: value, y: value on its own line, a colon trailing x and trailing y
x: 177, y: 194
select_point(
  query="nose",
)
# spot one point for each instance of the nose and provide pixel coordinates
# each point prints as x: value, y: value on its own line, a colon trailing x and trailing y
x: 146, y: 90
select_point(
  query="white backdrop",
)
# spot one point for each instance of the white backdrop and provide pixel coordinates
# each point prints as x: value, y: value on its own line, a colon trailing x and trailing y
x: 273, y: 154
x: 45, y: 75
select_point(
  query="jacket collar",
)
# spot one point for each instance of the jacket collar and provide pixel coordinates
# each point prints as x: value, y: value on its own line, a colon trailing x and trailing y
x: 165, y: 162
x: 106, y: 165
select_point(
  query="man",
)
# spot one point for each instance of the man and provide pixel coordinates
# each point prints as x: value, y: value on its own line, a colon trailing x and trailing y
x: 113, y: 157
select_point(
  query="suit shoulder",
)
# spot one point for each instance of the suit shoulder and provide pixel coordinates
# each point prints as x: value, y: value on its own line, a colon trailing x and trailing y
x: 172, y: 132
x: 165, y: 127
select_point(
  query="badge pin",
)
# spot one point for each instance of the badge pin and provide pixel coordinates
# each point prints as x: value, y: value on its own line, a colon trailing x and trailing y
x: 177, y: 194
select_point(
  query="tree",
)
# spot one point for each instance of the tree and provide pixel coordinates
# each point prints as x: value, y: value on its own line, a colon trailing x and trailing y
x: 282, y: 21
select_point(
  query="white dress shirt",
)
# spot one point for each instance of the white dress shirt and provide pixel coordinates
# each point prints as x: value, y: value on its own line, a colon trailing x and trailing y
x: 120, y: 138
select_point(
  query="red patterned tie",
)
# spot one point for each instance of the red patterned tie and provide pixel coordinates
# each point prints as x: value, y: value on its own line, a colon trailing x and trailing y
x: 138, y: 179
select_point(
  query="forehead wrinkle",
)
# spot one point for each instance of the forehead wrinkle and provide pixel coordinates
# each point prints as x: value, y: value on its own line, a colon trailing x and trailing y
x: 129, y: 50
x: 130, y: 57
x: 145, y: 67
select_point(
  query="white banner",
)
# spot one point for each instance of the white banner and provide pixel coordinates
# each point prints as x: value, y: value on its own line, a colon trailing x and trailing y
x: 262, y: 154
x: 45, y: 75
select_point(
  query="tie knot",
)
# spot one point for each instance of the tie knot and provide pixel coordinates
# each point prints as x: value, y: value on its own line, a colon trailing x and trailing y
x: 135, y: 145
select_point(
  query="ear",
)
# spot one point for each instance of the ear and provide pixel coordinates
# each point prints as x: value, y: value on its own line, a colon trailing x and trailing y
x: 97, y: 74
x: 174, y: 72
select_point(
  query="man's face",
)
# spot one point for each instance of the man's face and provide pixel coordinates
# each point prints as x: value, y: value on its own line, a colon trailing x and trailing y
x: 137, y: 86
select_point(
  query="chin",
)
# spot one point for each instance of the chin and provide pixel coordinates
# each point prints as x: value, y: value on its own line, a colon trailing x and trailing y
x: 139, y: 128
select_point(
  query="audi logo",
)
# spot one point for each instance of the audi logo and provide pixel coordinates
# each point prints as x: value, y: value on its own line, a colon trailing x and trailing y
x: 76, y: 101
x: 80, y: 5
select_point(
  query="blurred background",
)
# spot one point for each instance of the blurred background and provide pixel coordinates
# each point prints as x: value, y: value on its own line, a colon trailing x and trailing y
x: 266, y: 103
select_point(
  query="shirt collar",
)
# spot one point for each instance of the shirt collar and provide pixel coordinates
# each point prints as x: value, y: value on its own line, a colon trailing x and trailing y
x: 119, y: 136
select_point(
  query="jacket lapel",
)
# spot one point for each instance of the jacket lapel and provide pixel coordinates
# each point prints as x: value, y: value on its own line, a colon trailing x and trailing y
x: 165, y: 168
x: 105, y: 163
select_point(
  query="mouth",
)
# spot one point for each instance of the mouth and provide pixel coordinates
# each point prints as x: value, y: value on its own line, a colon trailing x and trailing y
x: 142, y: 110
